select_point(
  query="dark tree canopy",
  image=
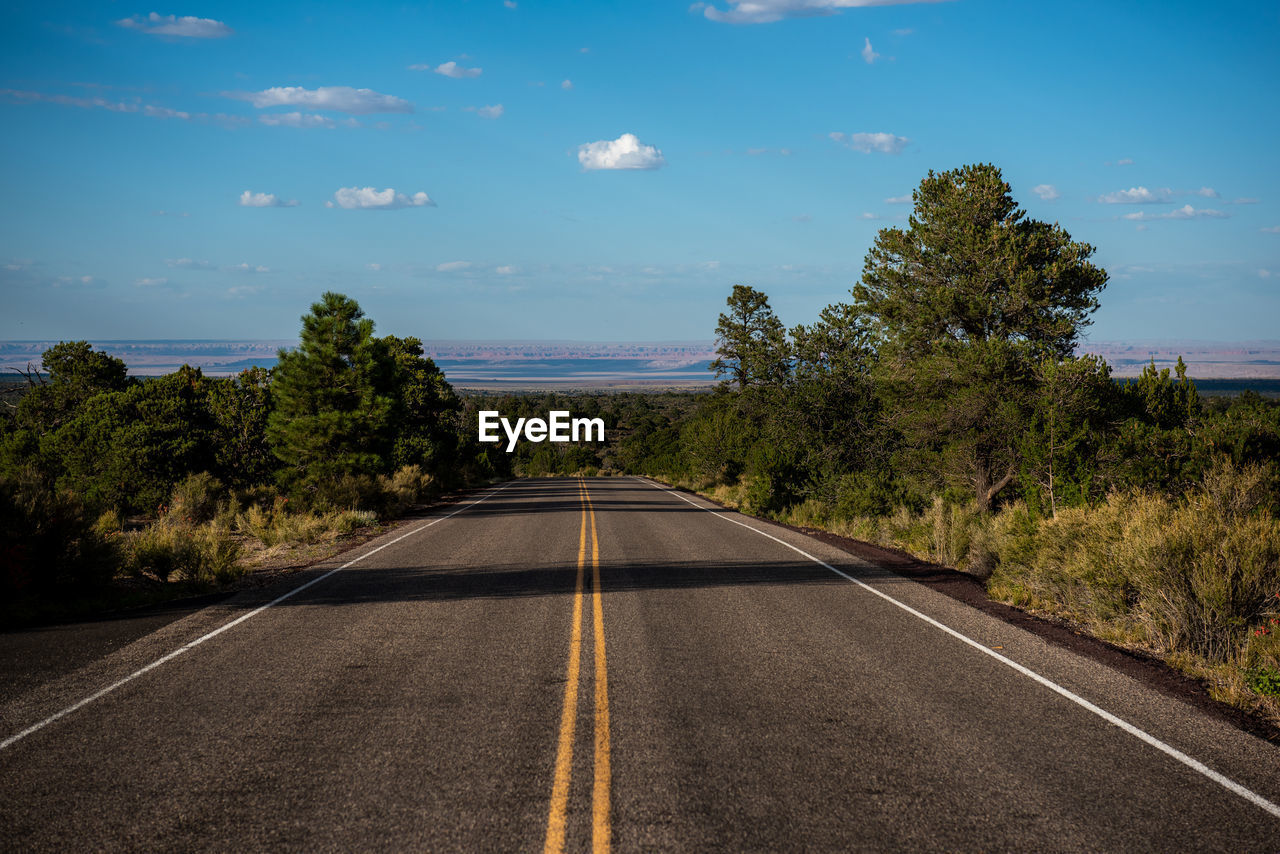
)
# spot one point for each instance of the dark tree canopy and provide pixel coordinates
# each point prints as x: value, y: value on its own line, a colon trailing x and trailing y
x: 751, y: 342
x: 971, y: 267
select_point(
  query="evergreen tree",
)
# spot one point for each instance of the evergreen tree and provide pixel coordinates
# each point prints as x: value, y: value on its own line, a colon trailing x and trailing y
x: 751, y: 343
x: 333, y: 401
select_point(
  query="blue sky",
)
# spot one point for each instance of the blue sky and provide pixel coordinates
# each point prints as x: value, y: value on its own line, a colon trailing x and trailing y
x: 608, y: 170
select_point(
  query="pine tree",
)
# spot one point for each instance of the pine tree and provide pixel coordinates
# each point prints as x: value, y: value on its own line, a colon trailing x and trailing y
x: 751, y: 342
x: 333, y: 400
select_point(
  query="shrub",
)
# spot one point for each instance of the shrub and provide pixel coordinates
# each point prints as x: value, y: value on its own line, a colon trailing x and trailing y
x: 173, y: 551
x: 196, y: 498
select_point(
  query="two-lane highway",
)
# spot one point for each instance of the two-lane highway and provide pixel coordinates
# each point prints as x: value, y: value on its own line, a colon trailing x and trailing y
x: 446, y: 687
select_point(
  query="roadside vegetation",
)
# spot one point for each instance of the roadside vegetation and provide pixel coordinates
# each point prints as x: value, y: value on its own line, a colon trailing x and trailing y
x: 117, y: 491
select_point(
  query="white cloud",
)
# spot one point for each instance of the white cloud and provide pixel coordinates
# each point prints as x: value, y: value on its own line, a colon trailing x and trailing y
x: 172, y: 25
x: 899, y: 200
x: 449, y: 69
x: 78, y: 282
x: 885, y: 143
x: 507, y: 270
x: 373, y: 265
x: 1048, y: 192
x: 151, y: 283
x: 1264, y: 273
x: 1245, y: 200
x: 1123, y: 161
x: 1184, y: 212
x: 625, y: 152
x: 566, y: 84
x: 510, y: 4
x: 453, y: 266
x: 493, y: 111
x: 1208, y: 193
x: 1274, y: 229
x: 868, y: 54
x: 298, y: 120
x: 767, y: 11
x: 188, y: 264
x: 250, y: 199
x: 249, y: 268
x: 344, y: 99
x: 244, y: 290
x: 367, y: 198
x: 1137, y: 196
x: 26, y: 97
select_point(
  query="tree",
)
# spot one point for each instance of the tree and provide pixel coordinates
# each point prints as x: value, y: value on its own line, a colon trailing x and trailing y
x: 333, y: 401
x: 426, y: 407
x: 964, y: 304
x: 751, y: 343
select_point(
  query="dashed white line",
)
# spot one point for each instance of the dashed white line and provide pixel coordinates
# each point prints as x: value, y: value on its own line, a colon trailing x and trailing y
x: 237, y: 621
x: 1193, y: 764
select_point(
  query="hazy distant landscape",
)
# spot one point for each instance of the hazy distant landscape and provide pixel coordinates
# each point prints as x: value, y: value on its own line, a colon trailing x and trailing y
x: 633, y: 365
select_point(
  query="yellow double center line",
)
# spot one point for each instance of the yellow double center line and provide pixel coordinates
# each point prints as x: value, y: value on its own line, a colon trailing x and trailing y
x: 601, y: 832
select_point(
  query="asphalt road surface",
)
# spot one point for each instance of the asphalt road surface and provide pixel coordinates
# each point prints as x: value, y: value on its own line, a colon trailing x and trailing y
x: 584, y: 665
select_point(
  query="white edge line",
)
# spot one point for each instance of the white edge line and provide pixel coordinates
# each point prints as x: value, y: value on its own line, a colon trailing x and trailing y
x: 237, y: 621
x: 1141, y: 735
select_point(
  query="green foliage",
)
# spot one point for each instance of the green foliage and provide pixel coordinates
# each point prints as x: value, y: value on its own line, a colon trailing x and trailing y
x: 751, y: 342
x: 49, y: 544
x: 333, y: 398
x: 175, y: 551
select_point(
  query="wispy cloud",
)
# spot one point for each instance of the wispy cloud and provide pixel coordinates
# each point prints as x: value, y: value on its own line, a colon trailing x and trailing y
x: 566, y: 84
x: 189, y: 264
x: 885, y: 143
x: 625, y: 152
x: 1245, y: 200
x: 868, y: 54
x: 1184, y: 212
x: 248, y: 268
x: 77, y: 282
x: 1208, y: 193
x: 343, y: 99
x: 768, y: 11
x: 249, y: 199
x: 151, y: 282
x: 303, y: 120
x: 134, y: 106
x: 1047, y: 192
x: 449, y: 69
x: 1137, y: 196
x: 367, y: 198
x: 171, y: 25
x: 1273, y: 229
x: 493, y: 111
x: 1123, y: 161
x: 453, y: 266
x: 899, y: 200
x: 507, y: 270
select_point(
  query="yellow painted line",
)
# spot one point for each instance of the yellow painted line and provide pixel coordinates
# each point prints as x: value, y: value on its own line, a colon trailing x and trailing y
x: 564, y: 752
x: 601, y: 830
x: 601, y: 826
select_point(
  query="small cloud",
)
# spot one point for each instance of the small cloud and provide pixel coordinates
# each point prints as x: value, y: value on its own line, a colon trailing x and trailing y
x: 373, y: 265
x: 906, y: 31
x: 453, y: 266
x: 899, y: 200
x: 1274, y: 229
x: 172, y: 25
x: 625, y: 152
x: 78, y: 282
x: 1245, y: 200
x: 768, y: 11
x: 803, y: 218
x: 1264, y: 273
x: 183, y: 214
x: 244, y: 290
x: 343, y: 99
x: 493, y: 111
x: 1123, y: 161
x: 1142, y: 227
x: 151, y: 283
x: 869, y: 215
x: 250, y: 199
x: 367, y: 198
x: 566, y: 84
x: 709, y: 265
x: 1137, y: 196
x: 885, y: 143
x: 450, y: 69
x: 188, y: 264
x: 1184, y: 212
x: 584, y: 50
x: 510, y: 4
x: 507, y: 270
x: 756, y: 152
x: 297, y: 120
x: 1208, y: 193
x: 868, y: 54
x: 248, y: 268
x: 1047, y: 192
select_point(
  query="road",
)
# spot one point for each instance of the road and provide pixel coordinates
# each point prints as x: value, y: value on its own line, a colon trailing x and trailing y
x: 607, y: 665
